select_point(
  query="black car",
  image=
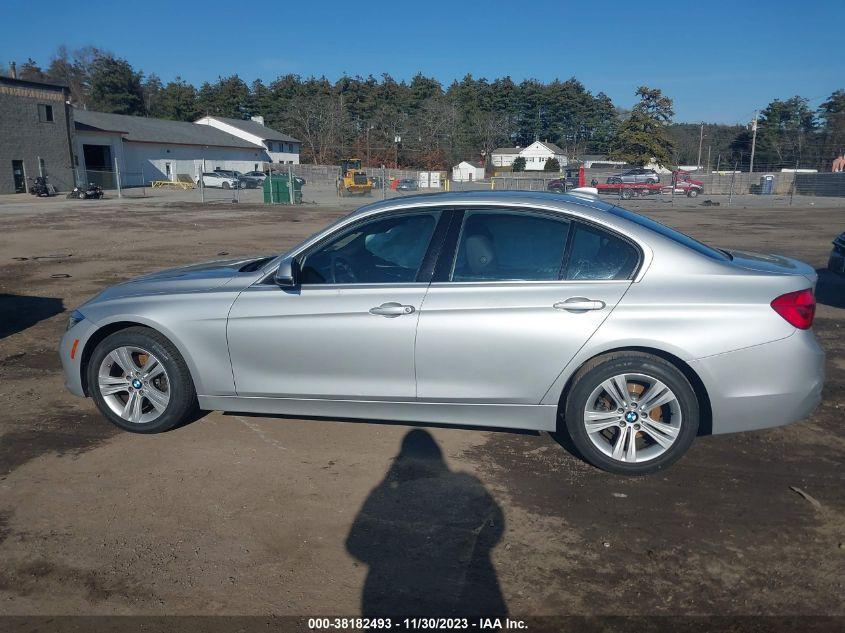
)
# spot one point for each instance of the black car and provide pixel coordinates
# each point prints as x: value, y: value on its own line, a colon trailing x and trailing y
x: 836, y: 263
x: 407, y: 184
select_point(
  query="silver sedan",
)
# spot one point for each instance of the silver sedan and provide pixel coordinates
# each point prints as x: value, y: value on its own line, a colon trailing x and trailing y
x: 541, y: 311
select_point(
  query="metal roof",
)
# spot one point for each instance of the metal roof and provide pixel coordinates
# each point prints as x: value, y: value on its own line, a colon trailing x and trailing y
x: 508, y: 150
x: 147, y: 130
x: 254, y: 127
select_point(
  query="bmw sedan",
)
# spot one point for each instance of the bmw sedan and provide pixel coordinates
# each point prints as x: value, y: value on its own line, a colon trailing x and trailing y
x: 520, y: 310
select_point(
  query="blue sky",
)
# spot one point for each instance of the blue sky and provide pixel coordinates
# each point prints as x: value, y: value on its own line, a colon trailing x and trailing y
x: 717, y: 60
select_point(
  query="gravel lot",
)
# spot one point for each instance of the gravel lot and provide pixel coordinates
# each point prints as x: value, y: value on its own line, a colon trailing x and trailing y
x: 238, y: 514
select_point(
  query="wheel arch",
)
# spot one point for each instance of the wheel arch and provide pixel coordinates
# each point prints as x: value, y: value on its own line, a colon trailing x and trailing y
x: 705, y: 425
x: 110, y: 328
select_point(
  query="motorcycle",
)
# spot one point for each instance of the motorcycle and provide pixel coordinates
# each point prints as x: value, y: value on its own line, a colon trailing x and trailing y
x: 41, y: 187
x: 92, y: 191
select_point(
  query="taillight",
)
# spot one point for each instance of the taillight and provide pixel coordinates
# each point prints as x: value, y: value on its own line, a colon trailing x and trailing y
x: 798, y: 308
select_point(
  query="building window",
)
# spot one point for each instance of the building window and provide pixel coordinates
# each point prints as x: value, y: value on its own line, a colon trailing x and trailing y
x: 45, y: 113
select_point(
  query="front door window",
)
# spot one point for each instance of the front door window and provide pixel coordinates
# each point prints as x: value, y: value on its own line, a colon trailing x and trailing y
x: 384, y: 251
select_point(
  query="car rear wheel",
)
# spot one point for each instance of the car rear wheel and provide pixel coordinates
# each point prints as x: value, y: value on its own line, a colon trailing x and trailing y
x: 631, y: 413
x: 140, y: 382
x: 225, y: 185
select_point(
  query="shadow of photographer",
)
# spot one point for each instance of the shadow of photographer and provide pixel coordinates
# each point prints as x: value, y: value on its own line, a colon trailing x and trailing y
x: 426, y: 534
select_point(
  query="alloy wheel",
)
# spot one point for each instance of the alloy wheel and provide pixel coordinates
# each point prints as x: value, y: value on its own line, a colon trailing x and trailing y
x: 134, y: 384
x: 632, y: 418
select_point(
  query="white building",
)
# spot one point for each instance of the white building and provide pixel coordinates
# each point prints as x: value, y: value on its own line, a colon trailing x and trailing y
x: 467, y: 171
x: 146, y: 149
x: 504, y: 156
x: 539, y: 152
x: 535, y: 155
x: 280, y: 147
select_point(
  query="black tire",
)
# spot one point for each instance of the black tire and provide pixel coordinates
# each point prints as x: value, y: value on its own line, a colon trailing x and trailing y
x: 692, y: 193
x: 627, y: 194
x: 225, y: 185
x: 604, y: 367
x: 183, y: 399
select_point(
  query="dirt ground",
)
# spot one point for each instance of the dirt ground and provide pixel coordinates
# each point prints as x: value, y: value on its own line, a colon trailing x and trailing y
x: 238, y: 514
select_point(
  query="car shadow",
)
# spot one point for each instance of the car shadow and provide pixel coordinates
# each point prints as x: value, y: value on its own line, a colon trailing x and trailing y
x: 19, y: 312
x: 830, y: 289
x: 426, y: 534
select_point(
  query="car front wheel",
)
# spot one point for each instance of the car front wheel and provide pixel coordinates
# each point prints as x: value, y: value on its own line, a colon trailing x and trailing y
x: 631, y: 413
x: 140, y: 382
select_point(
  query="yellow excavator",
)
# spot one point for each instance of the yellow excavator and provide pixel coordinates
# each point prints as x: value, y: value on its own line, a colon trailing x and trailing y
x: 353, y: 180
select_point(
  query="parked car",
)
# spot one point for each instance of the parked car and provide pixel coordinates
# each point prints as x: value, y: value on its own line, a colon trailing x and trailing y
x: 244, y: 181
x: 836, y: 263
x: 407, y: 184
x: 258, y: 175
x: 635, y: 176
x: 497, y: 309
x: 215, y: 179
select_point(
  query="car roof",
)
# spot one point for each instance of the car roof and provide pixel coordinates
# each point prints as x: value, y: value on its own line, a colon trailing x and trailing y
x: 584, y: 202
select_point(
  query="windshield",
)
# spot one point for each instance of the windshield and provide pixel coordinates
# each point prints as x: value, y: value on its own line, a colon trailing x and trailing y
x: 672, y: 234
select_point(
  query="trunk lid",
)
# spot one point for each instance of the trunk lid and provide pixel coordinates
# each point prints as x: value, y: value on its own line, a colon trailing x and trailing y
x: 774, y: 264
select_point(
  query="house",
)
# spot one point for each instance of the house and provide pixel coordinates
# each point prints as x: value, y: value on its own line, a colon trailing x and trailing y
x: 467, y: 171
x: 504, y: 156
x: 280, y: 147
x: 146, y: 149
x: 535, y: 155
x: 539, y: 152
x: 36, y: 128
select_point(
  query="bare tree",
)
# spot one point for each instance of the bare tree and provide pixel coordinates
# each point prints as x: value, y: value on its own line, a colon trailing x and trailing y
x: 318, y: 120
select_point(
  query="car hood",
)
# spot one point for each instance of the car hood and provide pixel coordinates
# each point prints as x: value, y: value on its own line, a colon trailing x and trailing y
x: 195, y: 278
x: 770, y: 263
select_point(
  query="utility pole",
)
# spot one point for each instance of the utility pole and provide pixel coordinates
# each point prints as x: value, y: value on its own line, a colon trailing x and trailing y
x: 753, y: 143
x: 700, y: 141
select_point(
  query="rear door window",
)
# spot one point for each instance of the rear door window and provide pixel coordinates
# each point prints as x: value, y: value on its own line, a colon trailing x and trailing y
x: 596, y: 254
x: 510, y: 246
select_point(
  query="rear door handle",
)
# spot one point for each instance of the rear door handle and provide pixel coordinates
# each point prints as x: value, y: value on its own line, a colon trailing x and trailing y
x: 391, y: 309
x: 579, y: 304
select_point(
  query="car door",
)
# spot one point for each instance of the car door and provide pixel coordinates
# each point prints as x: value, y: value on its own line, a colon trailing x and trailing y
x: 346, y: 330
x: 519, y: 293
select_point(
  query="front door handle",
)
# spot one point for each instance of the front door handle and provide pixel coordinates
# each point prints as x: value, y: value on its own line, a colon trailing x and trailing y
x: 391, y: 309
x: 579, y: 304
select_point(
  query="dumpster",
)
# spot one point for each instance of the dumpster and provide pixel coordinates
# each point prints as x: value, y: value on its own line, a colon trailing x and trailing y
x: 277, y: 190
x: 767, y: 185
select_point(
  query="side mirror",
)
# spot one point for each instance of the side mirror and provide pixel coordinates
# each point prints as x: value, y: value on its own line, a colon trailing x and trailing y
x: 286, y: 275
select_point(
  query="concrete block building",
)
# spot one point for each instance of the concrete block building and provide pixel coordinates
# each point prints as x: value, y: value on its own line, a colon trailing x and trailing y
x: 36, y: 128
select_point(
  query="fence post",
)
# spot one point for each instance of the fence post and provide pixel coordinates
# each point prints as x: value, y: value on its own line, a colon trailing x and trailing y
x: 733, y: 177
x: 143, y: 184
x: 794, y: 178
x: 270, y: 176
x: 202, y: 181
x: 117, y: 178
x: 291, y: 184
x: 383, y: 183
